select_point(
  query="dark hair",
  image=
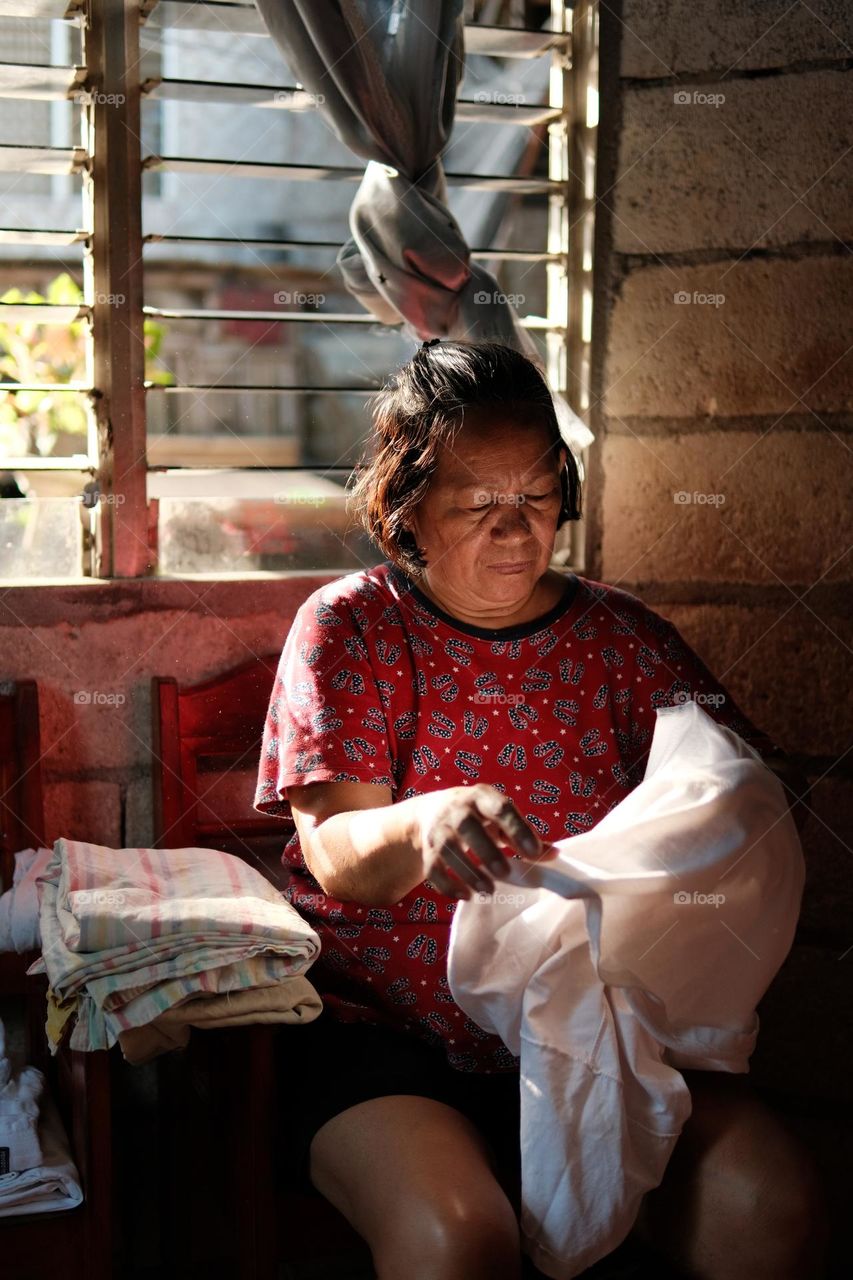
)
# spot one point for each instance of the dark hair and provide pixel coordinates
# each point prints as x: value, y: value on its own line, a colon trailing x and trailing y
x: 419, y: 410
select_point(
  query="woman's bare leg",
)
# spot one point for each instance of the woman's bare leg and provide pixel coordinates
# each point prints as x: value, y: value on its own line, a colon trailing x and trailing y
x: 740, y: 1199
x: 414, y: 1178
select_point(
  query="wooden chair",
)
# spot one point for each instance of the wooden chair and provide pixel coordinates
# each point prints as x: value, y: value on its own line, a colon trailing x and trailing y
x: 79, y: 1241
x: 218, y: 1096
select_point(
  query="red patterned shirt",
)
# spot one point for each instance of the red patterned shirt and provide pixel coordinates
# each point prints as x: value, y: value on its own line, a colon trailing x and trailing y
x: 377, y: 684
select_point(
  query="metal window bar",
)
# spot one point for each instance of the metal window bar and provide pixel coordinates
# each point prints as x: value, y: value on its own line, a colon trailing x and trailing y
x: 110, y: 92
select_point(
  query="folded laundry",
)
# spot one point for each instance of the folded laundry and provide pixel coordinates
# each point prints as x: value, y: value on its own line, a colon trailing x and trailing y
x: 128, y: 934
x: 19, y: 905
x: 20, y: 1092
x: 53, y: 1183
x: 644, y: 947
x: 293, y: 1000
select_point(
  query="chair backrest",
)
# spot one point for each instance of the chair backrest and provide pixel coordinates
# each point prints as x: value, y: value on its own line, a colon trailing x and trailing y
x: 21, y: 808
x: 207, y: 740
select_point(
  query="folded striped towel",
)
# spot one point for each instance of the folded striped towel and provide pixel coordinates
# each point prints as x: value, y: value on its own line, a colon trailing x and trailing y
x: 293, y: 1000
x: 131, y: 933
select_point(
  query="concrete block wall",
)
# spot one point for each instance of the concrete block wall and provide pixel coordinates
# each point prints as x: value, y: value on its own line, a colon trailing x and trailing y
x: 720, y: 485
x: 94, y: 650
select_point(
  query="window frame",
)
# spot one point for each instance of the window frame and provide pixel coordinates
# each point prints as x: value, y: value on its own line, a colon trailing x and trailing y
x: 123, y: 535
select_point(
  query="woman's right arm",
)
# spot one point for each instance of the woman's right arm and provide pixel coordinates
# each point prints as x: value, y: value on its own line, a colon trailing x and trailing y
x: 360, y: 846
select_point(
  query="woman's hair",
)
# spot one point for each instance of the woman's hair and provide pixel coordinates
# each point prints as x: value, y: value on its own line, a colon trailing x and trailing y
x: 417, y: 413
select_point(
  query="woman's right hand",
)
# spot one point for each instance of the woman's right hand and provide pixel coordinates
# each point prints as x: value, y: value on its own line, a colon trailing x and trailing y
x: 459, y: 834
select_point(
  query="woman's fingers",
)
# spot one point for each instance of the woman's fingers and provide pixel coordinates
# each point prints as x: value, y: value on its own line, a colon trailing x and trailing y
x: 478, y: 839
x: 470, y: 874
x: 500, y: 811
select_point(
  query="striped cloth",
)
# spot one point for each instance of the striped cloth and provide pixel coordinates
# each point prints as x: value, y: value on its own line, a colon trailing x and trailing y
x: 128, y: 934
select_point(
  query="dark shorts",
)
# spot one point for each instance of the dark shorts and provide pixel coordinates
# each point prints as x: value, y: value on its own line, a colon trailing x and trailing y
x: 326, y: 1066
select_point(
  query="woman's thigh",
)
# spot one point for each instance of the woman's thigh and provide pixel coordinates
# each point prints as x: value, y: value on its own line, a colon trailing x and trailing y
x: 415, y: 1178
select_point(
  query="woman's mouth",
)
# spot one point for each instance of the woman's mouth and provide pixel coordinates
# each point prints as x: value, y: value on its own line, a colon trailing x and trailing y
x: 511, y: 566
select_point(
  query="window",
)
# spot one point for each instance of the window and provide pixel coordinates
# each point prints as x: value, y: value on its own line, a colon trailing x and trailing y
x: 183, y: 377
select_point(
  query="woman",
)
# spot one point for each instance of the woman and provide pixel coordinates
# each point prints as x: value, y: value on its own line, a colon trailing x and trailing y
x: 461, y: 704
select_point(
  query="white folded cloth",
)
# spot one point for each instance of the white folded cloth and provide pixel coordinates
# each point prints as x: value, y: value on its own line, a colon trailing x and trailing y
x: 53, y: 1183
x: 19, y: 905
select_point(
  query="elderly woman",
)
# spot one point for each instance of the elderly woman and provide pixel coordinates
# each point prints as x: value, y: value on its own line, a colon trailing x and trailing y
x: 461, y: 704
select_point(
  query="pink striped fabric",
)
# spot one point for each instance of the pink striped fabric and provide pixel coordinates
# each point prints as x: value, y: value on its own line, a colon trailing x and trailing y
x: 130, y: 933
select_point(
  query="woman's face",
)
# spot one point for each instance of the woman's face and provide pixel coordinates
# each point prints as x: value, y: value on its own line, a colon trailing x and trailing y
x: 487, y: 523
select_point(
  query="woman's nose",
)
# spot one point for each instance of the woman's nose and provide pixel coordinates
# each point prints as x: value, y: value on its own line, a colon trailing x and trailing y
x: 511, y: 520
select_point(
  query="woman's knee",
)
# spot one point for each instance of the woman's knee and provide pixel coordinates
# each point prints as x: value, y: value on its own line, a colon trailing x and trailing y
x: 449, y: 1238
x: 780, y: 1215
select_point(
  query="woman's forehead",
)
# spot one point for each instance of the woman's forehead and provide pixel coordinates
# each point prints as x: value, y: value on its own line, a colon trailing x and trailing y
x: 501, y: 447
x: 470, y: 472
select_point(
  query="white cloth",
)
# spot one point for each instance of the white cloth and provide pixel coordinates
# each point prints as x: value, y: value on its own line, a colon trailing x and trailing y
x: 54, y: 1183
x: 19, y: 905
x: 644, y: 947
x: 19, y: 1113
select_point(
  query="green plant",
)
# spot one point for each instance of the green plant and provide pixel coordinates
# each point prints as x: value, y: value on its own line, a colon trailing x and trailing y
x: 45, y: 423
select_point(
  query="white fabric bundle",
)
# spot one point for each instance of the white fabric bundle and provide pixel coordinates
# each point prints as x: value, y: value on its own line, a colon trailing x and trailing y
x: 19, y: 1113
x: 19, y: 905
x: 645, y: 946
x: 53, y: 1183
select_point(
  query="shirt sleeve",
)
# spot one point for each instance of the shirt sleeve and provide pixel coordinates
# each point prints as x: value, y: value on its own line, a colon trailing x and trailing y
x: 325, y: 721
x: 666, y: 671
